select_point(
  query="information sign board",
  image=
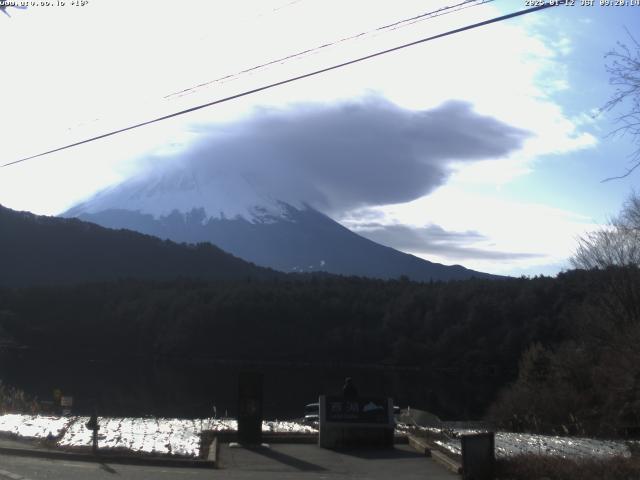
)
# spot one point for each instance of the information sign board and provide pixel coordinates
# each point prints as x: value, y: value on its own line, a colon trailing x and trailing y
x: 356, y: 410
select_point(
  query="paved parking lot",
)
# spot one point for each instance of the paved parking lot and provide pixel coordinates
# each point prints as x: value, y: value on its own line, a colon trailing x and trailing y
x: 310, y: 461
x: 279, y: 461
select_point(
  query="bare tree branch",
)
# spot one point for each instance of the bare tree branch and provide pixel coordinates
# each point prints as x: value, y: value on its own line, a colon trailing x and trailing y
x: 623, y: 67
x: 615, y: 250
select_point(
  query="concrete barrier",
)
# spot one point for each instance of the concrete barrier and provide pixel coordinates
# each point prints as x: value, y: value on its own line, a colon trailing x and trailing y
x: 446, y: 461
x: 212, y: 456
x: 419, y: 445
x: 108, y: 458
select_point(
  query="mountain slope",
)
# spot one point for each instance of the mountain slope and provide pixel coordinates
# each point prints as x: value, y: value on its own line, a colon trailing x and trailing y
x: 303, y: 241
x: 39, y: 250
x: 236, y: 213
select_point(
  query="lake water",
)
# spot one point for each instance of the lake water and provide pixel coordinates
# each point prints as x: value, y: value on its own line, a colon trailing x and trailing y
x: 189, y: 389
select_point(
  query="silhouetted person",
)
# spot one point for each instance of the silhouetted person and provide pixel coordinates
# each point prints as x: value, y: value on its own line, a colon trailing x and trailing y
x: 349, y: 390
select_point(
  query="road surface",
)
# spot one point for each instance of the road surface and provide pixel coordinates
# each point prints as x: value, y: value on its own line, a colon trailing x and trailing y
x: 280, y: 461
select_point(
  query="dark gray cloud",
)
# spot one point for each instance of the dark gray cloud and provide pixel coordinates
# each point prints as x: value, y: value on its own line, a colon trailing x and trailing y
x: 433, y: 239
x: 337, y: 157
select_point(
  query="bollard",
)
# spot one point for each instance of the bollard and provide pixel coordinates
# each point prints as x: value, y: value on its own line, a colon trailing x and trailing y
x: 250, y: 408
x: 93, y: 425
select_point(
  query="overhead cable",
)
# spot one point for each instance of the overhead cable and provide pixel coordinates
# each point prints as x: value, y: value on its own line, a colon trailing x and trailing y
x: 391, y: 26
x: 293, y: 79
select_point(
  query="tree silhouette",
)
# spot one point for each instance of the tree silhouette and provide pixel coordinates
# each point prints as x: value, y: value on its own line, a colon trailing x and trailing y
x: 624, y: 73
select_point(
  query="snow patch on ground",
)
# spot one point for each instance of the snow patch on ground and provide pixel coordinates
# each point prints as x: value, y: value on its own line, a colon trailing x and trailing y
x: 166, y: 436
x: 509, y: 444
x: 287, y: 427
x: 173, y: 436
x: 32, y: 426
x: 163, y: 436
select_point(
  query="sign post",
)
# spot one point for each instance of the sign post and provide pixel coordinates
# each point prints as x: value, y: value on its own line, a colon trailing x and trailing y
x: 66, y: 402
x: 353, y: 422
x: 94, y: 426
x: 250, y: 408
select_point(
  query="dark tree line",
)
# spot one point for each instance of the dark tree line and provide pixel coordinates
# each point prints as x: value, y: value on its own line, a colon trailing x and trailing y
x: 473, y: 332
x: 39, y: 250
x: 591, y: 382
x: 481, y: 324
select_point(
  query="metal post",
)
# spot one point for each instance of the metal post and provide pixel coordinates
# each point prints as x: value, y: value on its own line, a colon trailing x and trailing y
x: 93, y: 425
x: 250, y: 408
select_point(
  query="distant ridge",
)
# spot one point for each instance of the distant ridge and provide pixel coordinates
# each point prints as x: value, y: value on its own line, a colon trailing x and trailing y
x: 41, y: 250
x: 302, y: 241
x: 238, y: 214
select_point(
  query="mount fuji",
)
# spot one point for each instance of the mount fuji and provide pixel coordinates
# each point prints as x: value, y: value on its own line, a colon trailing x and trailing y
x: 233, y: 212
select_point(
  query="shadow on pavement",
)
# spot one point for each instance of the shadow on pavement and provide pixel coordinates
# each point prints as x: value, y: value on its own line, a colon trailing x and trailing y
x: 380, y: 454
x: 285, y: 459
x: 107, y: 468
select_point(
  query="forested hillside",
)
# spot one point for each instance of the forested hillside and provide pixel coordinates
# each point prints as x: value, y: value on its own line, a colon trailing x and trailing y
x: 39, y: 250
x: 476, y: 331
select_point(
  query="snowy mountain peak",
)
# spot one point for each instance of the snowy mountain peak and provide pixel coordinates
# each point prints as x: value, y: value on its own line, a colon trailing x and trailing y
x: 223, y: 195
x: 200, y: 201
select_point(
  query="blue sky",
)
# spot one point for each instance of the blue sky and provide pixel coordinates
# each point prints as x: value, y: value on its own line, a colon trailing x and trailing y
x: 79, y: 71
x: 574, y: 182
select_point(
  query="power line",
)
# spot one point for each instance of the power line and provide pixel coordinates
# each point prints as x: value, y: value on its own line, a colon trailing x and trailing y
x: 427, y: 16
x: 286, y: 5
x: 446, y: 10
x: 435, y: 13
x: 391, y: 26
x: 388, y: 27
x: 293, y: 79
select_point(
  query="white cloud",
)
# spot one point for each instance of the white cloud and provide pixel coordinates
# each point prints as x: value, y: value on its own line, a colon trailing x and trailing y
x: 546, y: 234
x: 110, y: 64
